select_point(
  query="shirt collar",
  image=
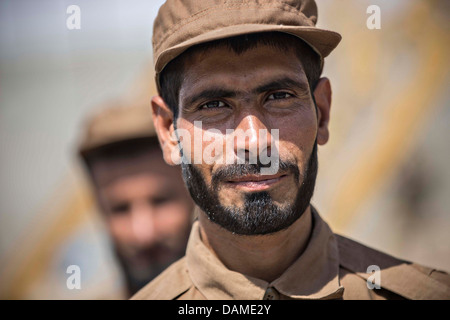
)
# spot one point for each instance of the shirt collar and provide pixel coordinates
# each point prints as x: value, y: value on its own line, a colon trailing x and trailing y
x: 314, y: 275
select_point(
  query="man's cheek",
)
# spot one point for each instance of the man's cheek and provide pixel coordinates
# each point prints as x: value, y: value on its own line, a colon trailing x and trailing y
x: 270, y: 157
x: 183, y: 152
x: 211, y: 146
x: 119, y: 226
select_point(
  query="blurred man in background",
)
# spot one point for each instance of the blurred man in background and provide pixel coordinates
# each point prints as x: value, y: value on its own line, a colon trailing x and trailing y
x: 143, y: 200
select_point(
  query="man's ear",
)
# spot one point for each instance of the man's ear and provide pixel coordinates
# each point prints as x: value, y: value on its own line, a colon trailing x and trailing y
x: 164, y: 126
x: 322, y: 95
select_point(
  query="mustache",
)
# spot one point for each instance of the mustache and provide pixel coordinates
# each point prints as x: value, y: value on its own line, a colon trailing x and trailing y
x: 236, y: 171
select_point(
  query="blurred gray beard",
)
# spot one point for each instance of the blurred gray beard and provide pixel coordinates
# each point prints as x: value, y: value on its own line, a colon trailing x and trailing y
x: 259, y: 215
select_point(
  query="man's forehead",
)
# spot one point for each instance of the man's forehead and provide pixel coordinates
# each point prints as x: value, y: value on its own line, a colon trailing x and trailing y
x: 139, y: 183
x: 105, y: 170
x: 221, y: 66
x: 223, y: 51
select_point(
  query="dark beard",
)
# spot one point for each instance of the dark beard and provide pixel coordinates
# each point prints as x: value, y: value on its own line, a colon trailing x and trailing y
x: 260, y: 215
x: 136, y: 281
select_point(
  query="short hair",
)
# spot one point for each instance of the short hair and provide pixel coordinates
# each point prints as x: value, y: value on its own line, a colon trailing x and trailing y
x: 172, y: 75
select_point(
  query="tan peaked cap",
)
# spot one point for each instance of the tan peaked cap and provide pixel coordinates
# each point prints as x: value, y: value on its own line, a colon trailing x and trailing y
x: 116, y: 121
x: 181, y: 24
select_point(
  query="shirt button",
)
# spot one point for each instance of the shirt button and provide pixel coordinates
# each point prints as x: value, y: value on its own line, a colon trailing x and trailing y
x: 271, y: 294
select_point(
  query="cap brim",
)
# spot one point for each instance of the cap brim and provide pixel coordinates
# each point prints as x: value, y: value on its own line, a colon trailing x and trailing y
x: 322, y: 41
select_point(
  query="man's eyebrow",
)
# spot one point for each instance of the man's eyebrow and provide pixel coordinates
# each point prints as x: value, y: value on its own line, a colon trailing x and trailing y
x: 210, y: 93
x: 219, y: 92
x: 281, y: 83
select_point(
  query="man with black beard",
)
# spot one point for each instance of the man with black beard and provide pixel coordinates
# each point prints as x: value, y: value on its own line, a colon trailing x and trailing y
x: 254, y: 66
x: 259, y: 215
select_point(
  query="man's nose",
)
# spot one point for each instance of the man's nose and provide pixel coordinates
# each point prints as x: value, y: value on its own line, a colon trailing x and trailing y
x: 251, y: 138
x: 143, y: 224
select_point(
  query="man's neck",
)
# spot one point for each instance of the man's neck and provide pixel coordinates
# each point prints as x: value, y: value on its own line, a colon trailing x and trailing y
x: 263, y: 257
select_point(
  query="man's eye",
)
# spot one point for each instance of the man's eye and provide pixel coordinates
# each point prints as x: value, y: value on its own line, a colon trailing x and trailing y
x: 159, y: 200
x: 122, y: 208
x: 212, y: 105
x: 279, y: 95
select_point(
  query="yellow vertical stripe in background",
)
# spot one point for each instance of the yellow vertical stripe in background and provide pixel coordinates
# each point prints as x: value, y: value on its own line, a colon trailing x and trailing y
x: 404, y: 117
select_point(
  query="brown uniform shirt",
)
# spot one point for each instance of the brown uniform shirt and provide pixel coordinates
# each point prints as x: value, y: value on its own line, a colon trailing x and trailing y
x: 331, y: 267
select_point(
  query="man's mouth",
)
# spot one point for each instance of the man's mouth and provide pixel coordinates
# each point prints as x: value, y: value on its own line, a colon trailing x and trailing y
x: 255, y: 183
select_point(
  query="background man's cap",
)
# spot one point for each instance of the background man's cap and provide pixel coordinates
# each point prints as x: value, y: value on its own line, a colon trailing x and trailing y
x: 181, y: 24
x: 116, y: 121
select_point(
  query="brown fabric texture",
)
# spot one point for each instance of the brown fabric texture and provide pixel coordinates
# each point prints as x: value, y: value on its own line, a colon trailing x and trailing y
x: 115, y: 122
x: 331, y: 267
x: 181, y: 24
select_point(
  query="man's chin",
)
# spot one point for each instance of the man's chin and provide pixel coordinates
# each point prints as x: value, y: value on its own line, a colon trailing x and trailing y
x: 146, y: 259
x: 258, y: 215
x: 252, y: 213
x: 238, y: 200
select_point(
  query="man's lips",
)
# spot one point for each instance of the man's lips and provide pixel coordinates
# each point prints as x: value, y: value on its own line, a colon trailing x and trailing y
x: 255, y: 182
